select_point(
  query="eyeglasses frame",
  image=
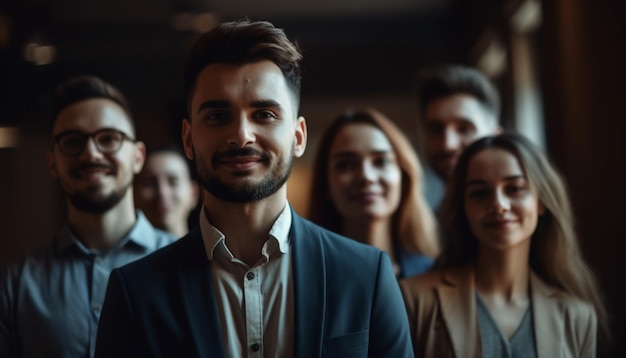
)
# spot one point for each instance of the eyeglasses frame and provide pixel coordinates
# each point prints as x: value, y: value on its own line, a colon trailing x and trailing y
x: 57, y: 138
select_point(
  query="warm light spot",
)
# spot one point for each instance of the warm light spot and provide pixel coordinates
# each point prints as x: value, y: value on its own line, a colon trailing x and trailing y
x: 493, y: 61
x: 39, y: 54
x: 9, y: 137
x: 5, y: 30
x: 527, y: 18
x: 205, y: 22
x: 200, y: 23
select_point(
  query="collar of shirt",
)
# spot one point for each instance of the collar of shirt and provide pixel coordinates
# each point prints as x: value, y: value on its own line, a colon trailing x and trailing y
x: 213, y: 237
x: 141, y: 234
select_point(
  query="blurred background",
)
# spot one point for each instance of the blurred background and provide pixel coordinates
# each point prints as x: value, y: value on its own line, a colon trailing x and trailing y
x: 558, y: 64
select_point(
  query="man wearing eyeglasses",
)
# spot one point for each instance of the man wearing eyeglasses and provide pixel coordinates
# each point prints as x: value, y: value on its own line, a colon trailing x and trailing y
x: 51, y: 299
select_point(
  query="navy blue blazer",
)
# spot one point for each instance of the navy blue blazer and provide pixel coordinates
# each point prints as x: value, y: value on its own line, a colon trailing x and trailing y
x: 347, y: 301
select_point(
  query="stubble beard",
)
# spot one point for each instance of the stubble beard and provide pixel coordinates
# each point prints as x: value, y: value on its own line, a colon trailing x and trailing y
x: 96, y: 205
x: 246, y: 191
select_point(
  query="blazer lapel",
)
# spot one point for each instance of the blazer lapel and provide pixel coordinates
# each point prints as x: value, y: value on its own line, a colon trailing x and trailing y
x: 198, y: 297
x: 548, y: 318
x: 309, y: 282
x: 458, y: 307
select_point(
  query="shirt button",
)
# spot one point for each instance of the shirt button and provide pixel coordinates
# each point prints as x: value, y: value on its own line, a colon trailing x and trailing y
x: 98, y: 261
x: 255, y: 347
x: 250, y: 276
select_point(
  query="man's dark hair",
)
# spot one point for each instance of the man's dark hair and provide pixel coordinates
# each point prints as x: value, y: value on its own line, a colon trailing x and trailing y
x: 447, y: 80
x: 85, y: 87
x: 241, y: 42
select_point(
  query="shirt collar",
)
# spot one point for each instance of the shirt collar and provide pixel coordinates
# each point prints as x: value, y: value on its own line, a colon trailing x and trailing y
x: 280, y: 229
x: 212, y: 236
x: 141, y: 234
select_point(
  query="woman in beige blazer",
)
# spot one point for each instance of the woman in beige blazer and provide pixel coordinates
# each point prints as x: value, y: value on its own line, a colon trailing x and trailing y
x: 510, y: 266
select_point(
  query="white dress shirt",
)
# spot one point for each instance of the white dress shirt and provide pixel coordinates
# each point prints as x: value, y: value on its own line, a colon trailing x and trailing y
x: 255, y: 304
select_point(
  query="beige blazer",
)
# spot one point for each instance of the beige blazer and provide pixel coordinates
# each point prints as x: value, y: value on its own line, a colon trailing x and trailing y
x: 442, y: 312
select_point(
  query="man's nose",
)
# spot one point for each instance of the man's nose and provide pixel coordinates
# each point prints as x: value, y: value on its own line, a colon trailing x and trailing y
x: 451, y: 140
x: 242, y: 132
x: 91, y: 149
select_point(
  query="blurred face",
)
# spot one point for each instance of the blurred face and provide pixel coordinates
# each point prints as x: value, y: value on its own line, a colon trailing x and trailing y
x: 450, y: 125
x: 243, y: 132
x: 364, y: 178
x: 164, y: 190
x: 94, y: 181
x: 501, y: 205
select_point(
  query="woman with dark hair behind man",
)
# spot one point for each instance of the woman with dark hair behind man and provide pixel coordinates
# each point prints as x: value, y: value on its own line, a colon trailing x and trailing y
x: 368, y: 187
x: 511, y: 280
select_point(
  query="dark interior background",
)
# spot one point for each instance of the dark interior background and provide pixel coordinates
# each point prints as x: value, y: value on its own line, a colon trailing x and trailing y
x: 357, y: 52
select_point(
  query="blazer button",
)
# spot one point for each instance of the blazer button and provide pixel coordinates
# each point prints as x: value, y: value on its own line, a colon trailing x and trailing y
x: 255, y: 347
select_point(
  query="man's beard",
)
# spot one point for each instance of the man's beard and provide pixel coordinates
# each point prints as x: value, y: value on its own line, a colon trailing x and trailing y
x: 246, y: 192
x: 439, y: 164
x: 96, y: 205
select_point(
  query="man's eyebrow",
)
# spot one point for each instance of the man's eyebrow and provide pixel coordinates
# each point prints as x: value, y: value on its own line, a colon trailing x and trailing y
x: 218, y: 104
x: 265, y: 104
x: 221, y: 104
x: 466, y: 120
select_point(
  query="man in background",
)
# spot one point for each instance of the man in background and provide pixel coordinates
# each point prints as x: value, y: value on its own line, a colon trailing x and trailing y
x: 458, y: 105
x: 50, y: 300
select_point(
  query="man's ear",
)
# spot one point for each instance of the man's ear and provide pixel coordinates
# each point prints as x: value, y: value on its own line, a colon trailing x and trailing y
x: 301, y: 137
x: 186, y: 137
x: 139, y: 157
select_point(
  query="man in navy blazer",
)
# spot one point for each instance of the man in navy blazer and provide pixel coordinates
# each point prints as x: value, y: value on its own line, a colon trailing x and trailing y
x: 254, y: 279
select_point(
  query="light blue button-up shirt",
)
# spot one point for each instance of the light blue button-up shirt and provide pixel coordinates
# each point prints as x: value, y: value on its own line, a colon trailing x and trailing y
x: 50, y: 300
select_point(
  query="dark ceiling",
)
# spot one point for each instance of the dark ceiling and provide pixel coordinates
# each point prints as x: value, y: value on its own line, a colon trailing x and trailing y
x: 350, y: 46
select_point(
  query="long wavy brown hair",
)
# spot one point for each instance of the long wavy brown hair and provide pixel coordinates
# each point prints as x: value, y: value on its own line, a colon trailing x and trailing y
x: 554, y: 250
x: 414, y: 226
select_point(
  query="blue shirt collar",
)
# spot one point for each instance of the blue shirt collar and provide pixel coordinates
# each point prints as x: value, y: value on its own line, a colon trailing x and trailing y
x: 141, y: 234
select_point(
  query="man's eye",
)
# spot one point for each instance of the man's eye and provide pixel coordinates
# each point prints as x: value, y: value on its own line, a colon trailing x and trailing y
x: 216, y: 117
x: 264, y: 115
x: 73, y: 142
x: 107, y: 139
x: 466, y: 129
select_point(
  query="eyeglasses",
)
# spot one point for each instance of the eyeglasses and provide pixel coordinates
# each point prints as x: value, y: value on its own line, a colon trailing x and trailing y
x: 108, y: 141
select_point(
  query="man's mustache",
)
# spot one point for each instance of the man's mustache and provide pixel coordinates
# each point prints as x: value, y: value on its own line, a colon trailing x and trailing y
x: 240, y: 152
x: 91, y: 166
